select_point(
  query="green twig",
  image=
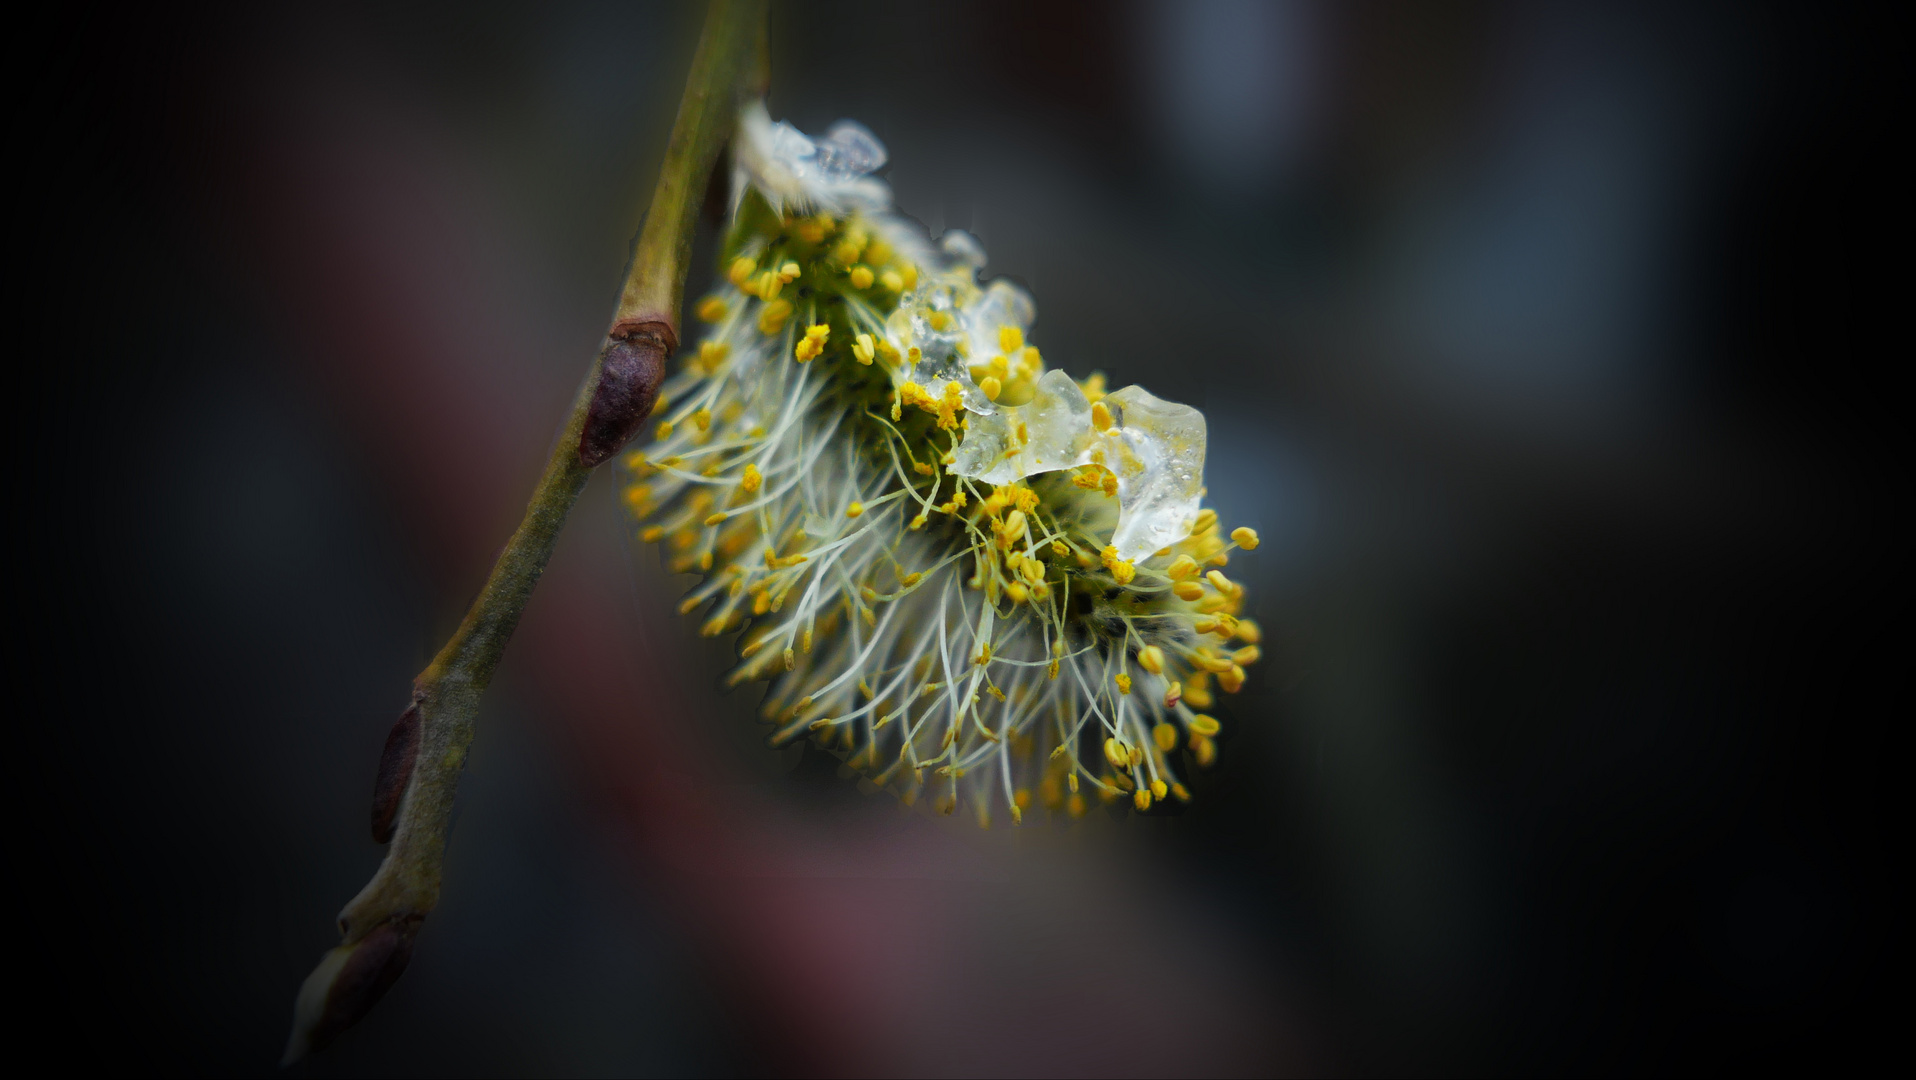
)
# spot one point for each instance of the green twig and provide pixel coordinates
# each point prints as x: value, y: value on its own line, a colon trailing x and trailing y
x: 419, y: 771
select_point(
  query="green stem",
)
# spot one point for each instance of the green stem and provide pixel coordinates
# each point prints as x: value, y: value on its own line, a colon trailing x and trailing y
x: 429, y: 747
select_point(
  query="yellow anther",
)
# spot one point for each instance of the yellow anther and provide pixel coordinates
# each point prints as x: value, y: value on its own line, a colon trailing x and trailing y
x: 854, y: 509
x: 1246, y: 538
x: 1181, y: 793
x: 711, y: 309
x: 664, y: 429
x: 808, y: 347
x: 771, y: 318
x: 1122, y: 572
x: 1197, y: 696
x: 805, y: 643
x: 1101, y: 416
x: 1059, y: 549
x: 911, y: 579
x: 703, y: 418
x: 918, y: 522
x: 1205, y: 520
x: 711, y: 355
x: 1010, y: 339
x: 1151, y: 659
x: 1114, y: 753
x: 1159, y: 789
x: 715, y: 518
x: 1135, y: 753
x: 939, y: 320
x: 750, y: 481
x: 1231, y: 681
x: 766, y: 285
x: 1173, y: 693
x: 1249, y: 654
x: 1051, y: 670
x: 652, y: 534
x: 991, y: 387
x: 923, y: 468
x: 892, y: 280
x: 909, y: 276
x: 789, y: 271
x: 984, y: 654
x: 1141, y: 799
x: 1248, y: 632
x: 1016, y: 592
x: 1204, y: 725
x: 1221, y: 583
x: 1166, y: 737
x: 705, y: 560
x: 741, y: 270
x: 864, y: 348
x: 1203, y: 749
x: 761, y: 602
x: 1071, y: 779
x: 1124, y: 683
x: 1188, y: 590
x: 861, y: 277
x: 1204, y: 625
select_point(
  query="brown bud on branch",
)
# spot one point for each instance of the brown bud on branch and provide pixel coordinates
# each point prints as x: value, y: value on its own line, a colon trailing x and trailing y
x: 395, y: 772
x: 348, y: 982
x: 630, y: 371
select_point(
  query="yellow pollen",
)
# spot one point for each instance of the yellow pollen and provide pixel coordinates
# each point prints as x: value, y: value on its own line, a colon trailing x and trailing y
x: 771, y: 318
x: 1124, y: 683
x: 1101, y: 416
x: 1151, y: 659
x: 715, y: 519
x: 703, y: 418
x: 854, y: 509
x: 1010, y: 339
x: 863, y: 349
x: 1017, y: 592
x: 1141, y: 799
x: 665, y: 429
x: 711, y: 309
x: 751, y: 480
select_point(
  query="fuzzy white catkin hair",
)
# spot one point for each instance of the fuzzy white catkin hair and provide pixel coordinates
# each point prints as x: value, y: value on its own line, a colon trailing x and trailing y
x: 969, y: 576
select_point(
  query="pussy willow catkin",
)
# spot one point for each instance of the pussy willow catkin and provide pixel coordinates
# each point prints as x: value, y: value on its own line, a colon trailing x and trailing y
x: 974, y: 578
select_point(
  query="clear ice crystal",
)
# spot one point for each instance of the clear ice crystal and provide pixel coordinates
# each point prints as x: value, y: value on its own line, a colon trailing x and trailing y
x: 1154, y: 447
x: 1004, y: 304
x: 849, y: 150
x: 963, y: 247
x: 1052, y: 431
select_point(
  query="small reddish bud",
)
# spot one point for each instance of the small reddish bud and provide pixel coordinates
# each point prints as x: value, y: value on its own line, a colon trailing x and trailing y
x: 395, y: 772
x: 349, y: 981
x: 630, y: 372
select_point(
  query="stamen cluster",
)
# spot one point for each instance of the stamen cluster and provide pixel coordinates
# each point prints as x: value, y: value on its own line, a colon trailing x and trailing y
x: 976, y: 580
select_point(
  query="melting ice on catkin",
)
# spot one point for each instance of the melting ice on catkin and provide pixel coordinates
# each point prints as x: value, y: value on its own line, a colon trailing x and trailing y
x: 976, y: 579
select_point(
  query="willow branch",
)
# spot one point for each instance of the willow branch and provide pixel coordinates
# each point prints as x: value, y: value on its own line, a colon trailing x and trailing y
x: 419, y: 771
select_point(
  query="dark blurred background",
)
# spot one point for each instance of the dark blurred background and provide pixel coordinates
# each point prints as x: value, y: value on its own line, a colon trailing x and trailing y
x: 1541, y: 342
